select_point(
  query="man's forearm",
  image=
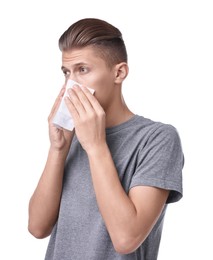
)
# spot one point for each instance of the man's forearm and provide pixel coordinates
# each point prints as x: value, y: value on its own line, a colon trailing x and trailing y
x: 44, y: 203
x: 117, y: 209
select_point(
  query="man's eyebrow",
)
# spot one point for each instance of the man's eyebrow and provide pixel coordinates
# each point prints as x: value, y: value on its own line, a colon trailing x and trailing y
x: 74, y: 65
x: 64, y: 68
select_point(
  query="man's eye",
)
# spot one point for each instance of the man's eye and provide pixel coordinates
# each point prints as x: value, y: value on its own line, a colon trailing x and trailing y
x: 83, y: 69
x: 66, y: 73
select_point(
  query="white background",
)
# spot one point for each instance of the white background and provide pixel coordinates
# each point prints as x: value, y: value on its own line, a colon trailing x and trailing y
x: 170, y: 47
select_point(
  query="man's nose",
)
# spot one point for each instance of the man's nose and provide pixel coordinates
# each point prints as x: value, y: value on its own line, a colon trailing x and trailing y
x: 73, y: 77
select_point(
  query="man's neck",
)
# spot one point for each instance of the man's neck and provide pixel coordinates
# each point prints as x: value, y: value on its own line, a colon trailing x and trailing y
x: 117, y: 113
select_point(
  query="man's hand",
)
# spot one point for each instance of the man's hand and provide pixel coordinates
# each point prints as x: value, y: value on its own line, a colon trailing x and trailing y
x: 60, y: 139
x: 88, y: 116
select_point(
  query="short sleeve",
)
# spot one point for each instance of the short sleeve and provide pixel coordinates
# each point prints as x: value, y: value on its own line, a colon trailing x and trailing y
x: 160, y: 162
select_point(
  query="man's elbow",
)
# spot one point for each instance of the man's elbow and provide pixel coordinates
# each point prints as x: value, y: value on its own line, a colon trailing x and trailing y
x: 126, y: 246
x: 38, y: 232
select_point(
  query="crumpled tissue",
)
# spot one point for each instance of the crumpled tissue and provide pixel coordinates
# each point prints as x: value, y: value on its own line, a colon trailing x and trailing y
x: 63, y: 118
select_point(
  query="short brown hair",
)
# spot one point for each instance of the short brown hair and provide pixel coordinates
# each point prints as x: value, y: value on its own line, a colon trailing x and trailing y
x: 97, y: 33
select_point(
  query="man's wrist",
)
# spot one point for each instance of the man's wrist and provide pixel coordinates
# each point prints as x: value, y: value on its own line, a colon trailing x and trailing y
x: 99, y: 150
x: 58, y: 154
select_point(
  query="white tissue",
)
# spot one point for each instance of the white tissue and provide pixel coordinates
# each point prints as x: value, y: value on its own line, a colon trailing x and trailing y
x: 63, y: 118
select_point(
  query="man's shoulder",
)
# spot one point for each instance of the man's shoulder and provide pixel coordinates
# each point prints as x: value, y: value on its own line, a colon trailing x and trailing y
x: 140, y: 129
x: 147, y: 129
x: 153, y: 125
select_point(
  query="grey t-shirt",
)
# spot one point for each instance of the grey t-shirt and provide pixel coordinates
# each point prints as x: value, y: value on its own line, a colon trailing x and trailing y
x: 145, y: 153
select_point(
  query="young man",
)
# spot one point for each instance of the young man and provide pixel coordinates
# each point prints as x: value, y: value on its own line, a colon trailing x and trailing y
x: 105, y: 186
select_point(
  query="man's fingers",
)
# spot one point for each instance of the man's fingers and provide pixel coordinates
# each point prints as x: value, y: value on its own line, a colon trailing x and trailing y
x: 82, y: 104
x: 83, y: 98
x: 93, y: 101
x: 72, y: 109
x: 76, y: 101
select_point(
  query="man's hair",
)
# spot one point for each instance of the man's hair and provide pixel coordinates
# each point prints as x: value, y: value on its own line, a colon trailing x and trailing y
x: 104, y: 37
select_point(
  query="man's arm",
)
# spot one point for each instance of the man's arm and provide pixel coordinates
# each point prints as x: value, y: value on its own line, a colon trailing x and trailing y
x: 129, y: 218
x: 45, y: 201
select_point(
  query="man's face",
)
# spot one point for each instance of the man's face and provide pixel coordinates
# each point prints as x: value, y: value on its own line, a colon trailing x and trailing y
x: 87, y: 68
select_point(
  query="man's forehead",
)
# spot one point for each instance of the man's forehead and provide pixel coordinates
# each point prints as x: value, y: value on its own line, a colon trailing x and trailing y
x: 86, y: 55
x: 78, y: 53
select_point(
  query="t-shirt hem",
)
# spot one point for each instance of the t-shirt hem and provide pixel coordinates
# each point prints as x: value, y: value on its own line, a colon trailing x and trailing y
x: 176, y: 190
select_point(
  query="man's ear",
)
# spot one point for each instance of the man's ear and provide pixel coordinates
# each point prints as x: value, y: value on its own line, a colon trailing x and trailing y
x: 121, y: 72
